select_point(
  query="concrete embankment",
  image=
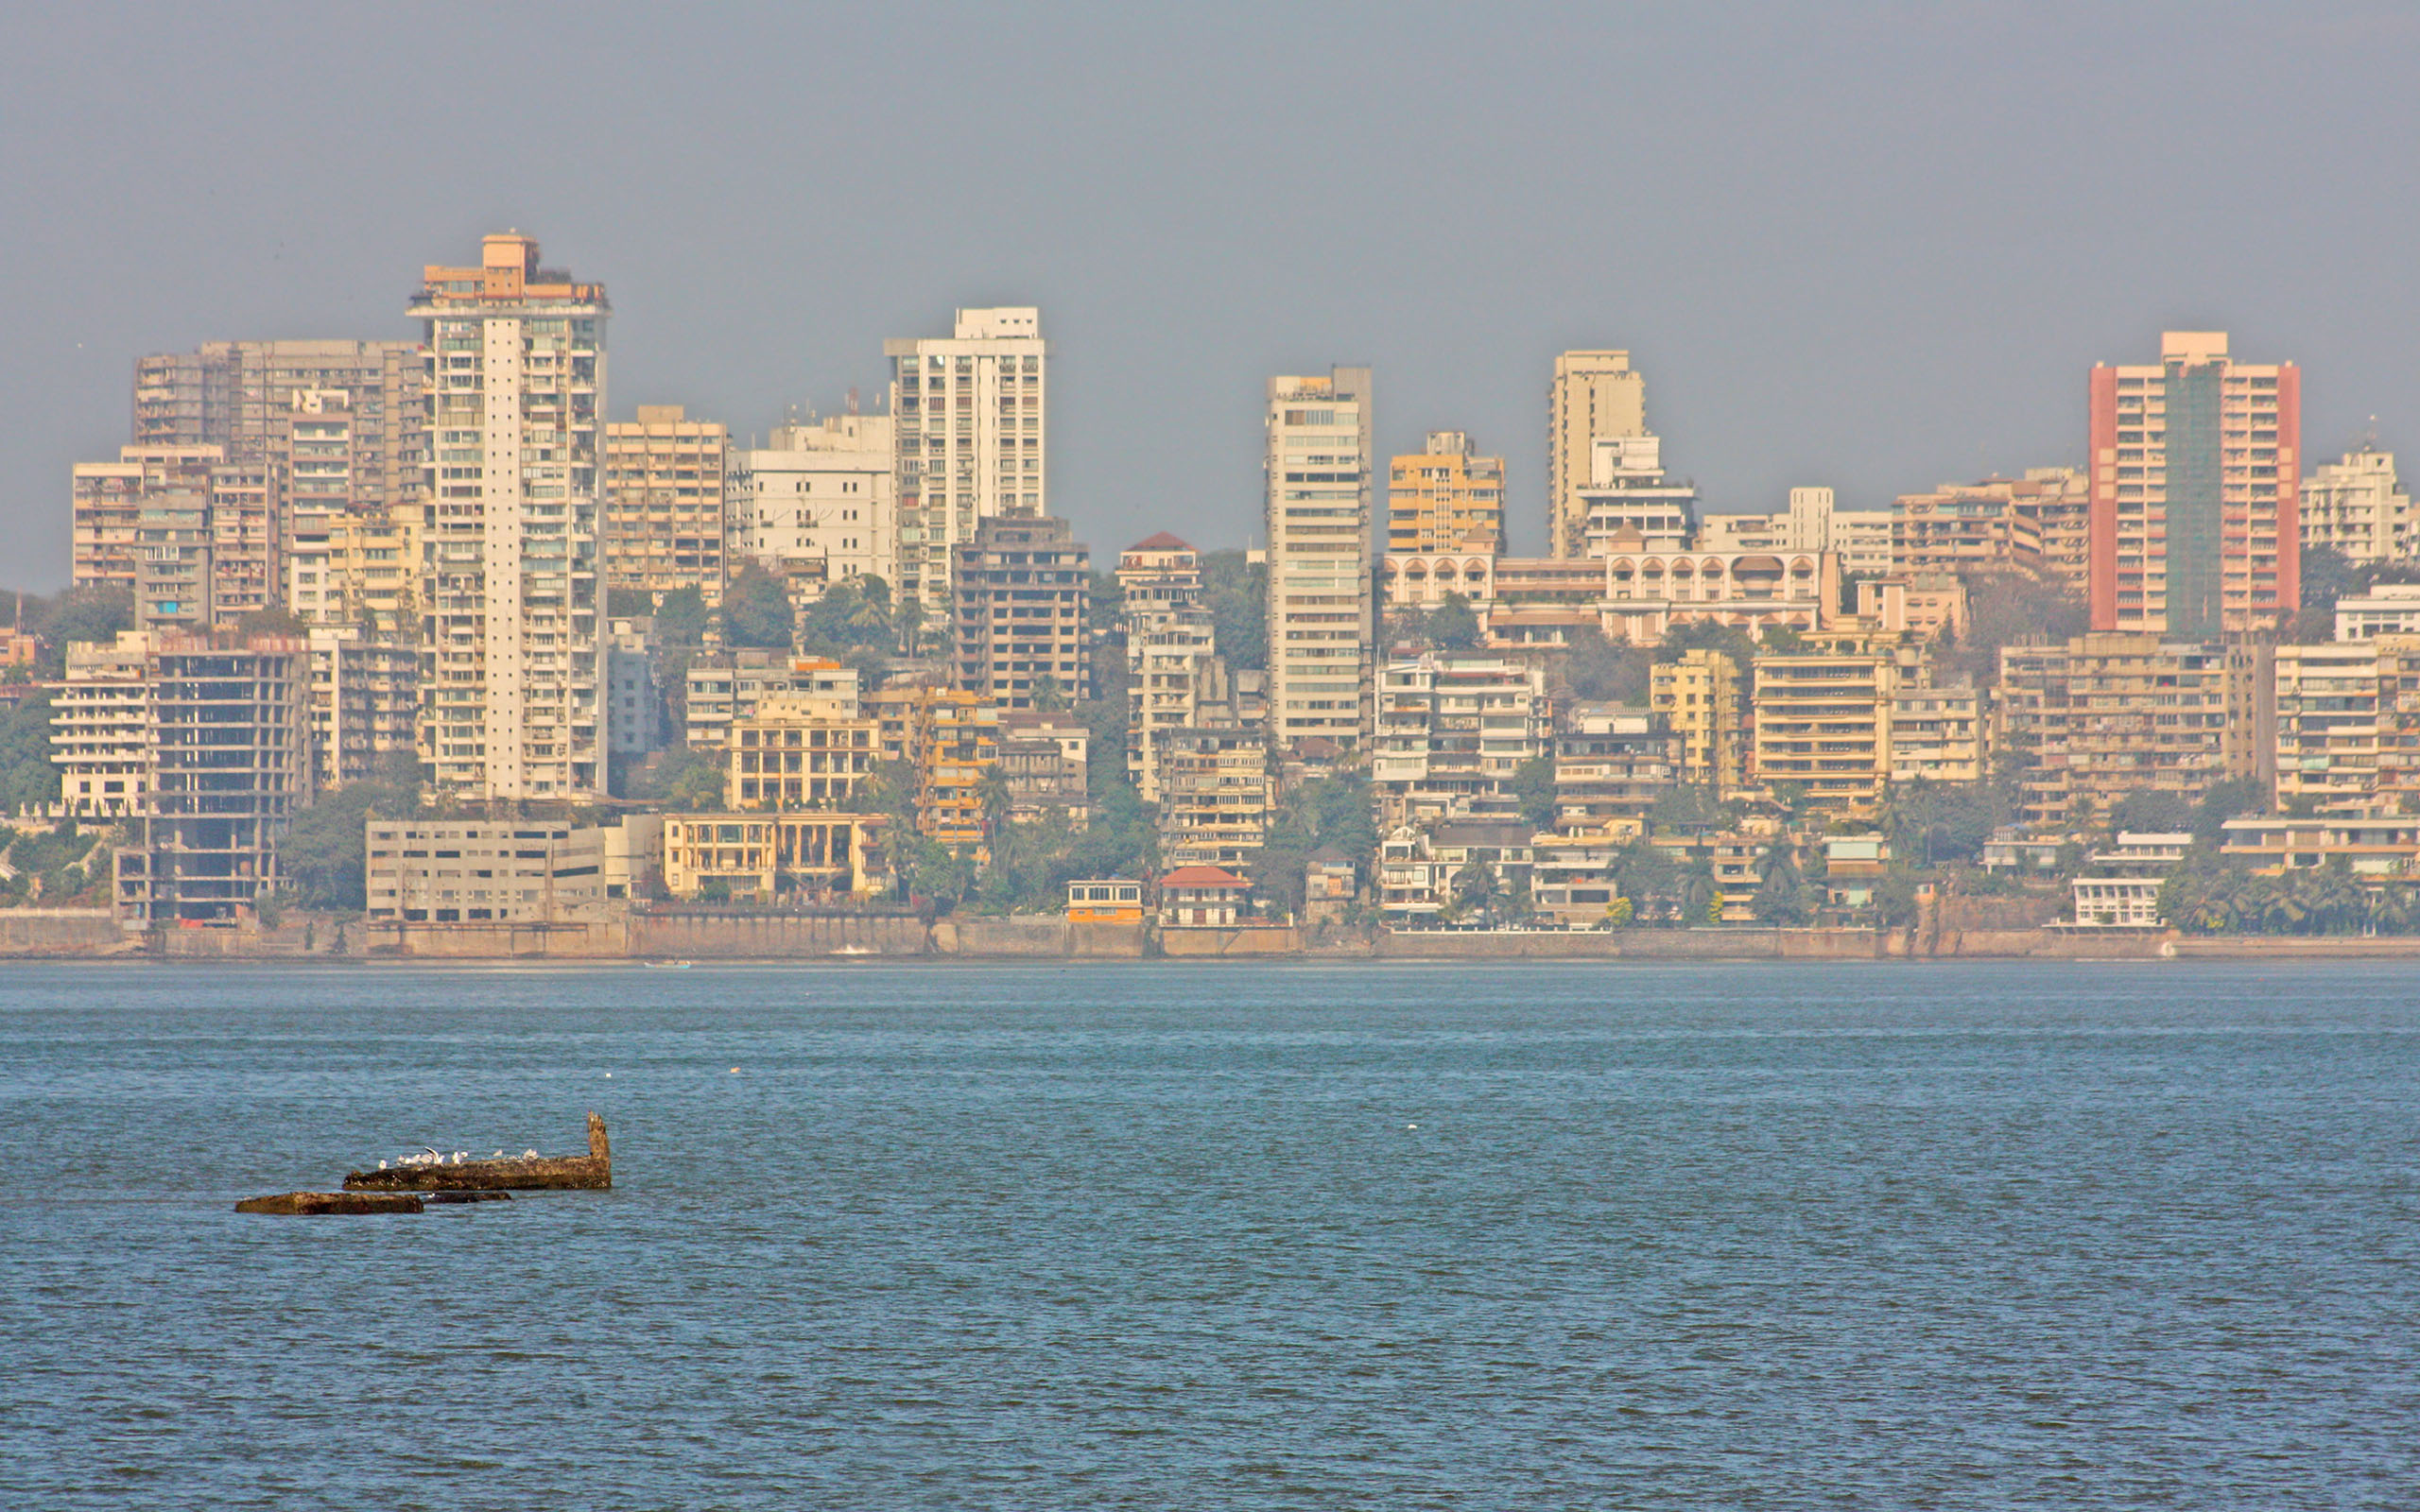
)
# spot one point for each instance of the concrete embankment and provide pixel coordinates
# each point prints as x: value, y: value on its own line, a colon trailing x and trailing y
x: 741, y: 934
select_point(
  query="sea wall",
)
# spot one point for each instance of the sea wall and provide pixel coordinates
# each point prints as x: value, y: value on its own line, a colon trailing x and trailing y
x: 1246, y: 939
x: 62, y: 932
x: 736, y: 936
x: 1712, y: 944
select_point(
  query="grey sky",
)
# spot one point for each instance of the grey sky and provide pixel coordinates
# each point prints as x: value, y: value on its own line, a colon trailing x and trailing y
x: 1868, y: 245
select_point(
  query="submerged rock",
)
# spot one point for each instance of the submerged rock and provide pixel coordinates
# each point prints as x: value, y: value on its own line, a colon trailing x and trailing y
x: 323, y: 1204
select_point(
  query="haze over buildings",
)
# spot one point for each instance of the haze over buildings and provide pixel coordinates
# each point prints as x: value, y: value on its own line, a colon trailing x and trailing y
x: 1848, y: 246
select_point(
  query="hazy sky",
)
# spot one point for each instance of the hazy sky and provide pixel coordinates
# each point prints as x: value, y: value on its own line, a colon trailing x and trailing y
x: 1875, y: 246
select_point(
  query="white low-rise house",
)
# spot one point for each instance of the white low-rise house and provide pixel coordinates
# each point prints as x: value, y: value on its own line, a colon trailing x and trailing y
x: 2121, y: 887
x: 2388, y: 609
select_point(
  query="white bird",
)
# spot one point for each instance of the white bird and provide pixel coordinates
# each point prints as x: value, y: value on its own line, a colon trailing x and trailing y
x: 381, y: 1165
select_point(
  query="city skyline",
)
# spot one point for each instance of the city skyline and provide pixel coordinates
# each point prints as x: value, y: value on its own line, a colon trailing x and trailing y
x: 1798, y: 322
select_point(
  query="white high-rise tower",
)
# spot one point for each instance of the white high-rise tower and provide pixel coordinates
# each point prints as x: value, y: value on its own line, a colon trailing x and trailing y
x: 970, y: 417
x: 1320, y: 630
x: 508, y: 602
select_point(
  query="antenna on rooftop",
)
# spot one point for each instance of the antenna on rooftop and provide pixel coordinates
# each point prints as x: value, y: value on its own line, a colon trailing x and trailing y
x: 852, y: 399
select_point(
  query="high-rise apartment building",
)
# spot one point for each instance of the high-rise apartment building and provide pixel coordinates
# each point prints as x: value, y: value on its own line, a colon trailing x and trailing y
x: 2196, y: 480
x: 1320, y: 630
x: 2105, y: 715
x: 2359, y: 507
x: 1446, y: 497
x: 111, y: 502
x: 665, y: 503
x: 818, y: 503
x: 191, y: 534
x: 510, y: 654
x: 329, y: 418
x: 970, y: 411
x: 1595, y: 396
x: 1019, y: 595
x: 1625, y: 494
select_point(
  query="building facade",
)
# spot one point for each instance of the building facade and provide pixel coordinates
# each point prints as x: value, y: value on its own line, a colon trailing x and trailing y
x: 512, y: 653
x: 1593, y: 396
x: 2196, y: 520
x: 2359, y: 507
x: 970, y: 410
x: 2102, y: 715
x: 1446, y: 497
x: 666, y: 477
x: 1322, y: 629
x: 1020, y: 592
x: 819, y: 502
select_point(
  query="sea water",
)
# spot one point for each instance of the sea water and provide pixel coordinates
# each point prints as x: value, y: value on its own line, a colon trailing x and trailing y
x: 1216, y: 1236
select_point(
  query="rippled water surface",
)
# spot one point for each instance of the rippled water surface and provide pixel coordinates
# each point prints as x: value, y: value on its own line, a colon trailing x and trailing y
x: 1718, y: 1236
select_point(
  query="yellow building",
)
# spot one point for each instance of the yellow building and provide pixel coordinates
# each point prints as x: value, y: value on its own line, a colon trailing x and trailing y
x: 1105, y: 901
x: 776, y: 857
x: 1445, y: 498
x: 664, y: 476
x: 799, y: 753
x: 357, y: 567
x: 1823, y: 723
x: 1699, y: 700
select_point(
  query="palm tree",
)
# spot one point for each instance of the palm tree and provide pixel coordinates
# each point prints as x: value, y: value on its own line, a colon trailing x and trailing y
x: 1698, y: 887
x: 991, y: 792
x: 1478, y: 889
x: 1778, y: 866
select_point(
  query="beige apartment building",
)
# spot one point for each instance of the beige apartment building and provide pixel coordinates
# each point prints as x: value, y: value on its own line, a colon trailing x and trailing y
x: 511, y: 649
x: 336, y: 423
x: 1446, y: 497
x: 1939, y: 734
x: 198, y: 745
x: 2348, y: 726
x: 818, y: 503
x: 1019, y: 595
x: 1823, y: 722
x: 1451, y: 730
x: 969, y: 413
x: 666, y: 503
x: 1593, y: 396
x: 2104, y: 716
x: 1321, y: 626
x: 2359, y: 507
x: 1217, y: 795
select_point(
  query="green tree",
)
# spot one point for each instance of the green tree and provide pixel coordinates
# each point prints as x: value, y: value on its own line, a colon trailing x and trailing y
x: 324, y: 854
x: 680, y: 617
x: 1453, y: 624
x: 1237, y: 591
x: 755, y: 611
x: 1477, y: 890
x: 1533, y: 788
x: 1600, y: 669
x: 1693, y: 635
x: 28, y: 776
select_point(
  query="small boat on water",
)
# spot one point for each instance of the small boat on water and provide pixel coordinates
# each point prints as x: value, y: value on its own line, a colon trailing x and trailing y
x: 668, y: 966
